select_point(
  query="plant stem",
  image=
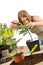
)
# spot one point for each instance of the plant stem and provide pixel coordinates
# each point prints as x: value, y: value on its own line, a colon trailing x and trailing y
x: 30, y: 34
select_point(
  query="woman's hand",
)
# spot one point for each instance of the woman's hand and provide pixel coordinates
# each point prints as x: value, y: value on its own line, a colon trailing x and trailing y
x: 12, y: 25
x: 31, y: 24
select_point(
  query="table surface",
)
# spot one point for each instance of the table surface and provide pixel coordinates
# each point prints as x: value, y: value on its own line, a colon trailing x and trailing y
x: 26, y: 51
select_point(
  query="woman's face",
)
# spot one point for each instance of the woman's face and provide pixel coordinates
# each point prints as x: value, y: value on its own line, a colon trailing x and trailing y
x: 24, y: 20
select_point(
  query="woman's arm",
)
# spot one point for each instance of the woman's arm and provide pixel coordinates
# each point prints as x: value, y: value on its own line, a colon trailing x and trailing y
x: 37, y: 21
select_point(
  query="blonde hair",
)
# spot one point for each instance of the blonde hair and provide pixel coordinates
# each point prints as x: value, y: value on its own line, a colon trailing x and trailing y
x: 24, y: 13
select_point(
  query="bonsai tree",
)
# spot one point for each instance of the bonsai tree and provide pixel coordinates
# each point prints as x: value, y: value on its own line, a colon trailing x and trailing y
x: 30, y: 43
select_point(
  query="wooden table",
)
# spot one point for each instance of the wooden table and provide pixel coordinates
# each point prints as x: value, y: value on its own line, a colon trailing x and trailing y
x: 29, y: 60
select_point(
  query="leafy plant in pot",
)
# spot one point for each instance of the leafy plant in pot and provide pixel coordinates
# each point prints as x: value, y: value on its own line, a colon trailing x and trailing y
x: 6, y: 36
x: 30, y: 43
x: 17, y: 56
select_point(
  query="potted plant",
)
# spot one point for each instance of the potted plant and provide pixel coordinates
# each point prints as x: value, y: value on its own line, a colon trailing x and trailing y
x: 30, y: 43
x: 6, y: 35
x: 17, y: 55
x: 6, y: 38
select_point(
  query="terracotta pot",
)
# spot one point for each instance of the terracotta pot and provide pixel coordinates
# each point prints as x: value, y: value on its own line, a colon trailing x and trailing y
x: 18, y: 57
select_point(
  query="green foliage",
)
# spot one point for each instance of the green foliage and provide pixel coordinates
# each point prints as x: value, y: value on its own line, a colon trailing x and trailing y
x: 23, y: 29
x: 6, y: 37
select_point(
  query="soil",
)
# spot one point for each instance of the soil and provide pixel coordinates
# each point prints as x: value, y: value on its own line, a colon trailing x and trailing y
x: 30, y: 60
x: 5, y: 59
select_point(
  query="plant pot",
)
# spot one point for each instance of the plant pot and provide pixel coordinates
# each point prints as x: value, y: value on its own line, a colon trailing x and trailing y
x: 5, y: 53
x: 0, y: 55
x: 31, y: 44
x: 4, y: 47
x: 4, y: 50
x: 18, y: 57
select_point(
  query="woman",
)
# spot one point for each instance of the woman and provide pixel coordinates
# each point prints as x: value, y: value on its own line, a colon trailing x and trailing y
x: 32, y: 21
x: 13, y: 25
x: 26, y: 19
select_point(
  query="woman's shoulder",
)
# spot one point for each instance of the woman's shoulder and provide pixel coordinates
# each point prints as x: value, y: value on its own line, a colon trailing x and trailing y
x: 36, y: 18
